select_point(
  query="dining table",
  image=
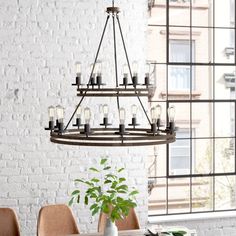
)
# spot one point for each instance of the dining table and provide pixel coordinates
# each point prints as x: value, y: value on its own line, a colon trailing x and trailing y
x: 138, y: 232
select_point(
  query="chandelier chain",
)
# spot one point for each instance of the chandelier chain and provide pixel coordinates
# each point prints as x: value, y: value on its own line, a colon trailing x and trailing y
x: 127, y: 59
x: 115, y: 59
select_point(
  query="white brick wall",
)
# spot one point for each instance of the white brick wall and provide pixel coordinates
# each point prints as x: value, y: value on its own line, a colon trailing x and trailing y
x: 39, y: 44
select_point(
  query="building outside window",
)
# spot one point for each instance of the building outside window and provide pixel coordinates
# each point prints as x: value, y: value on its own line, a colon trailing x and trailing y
x: 180, y: 76
x: 192, y: 46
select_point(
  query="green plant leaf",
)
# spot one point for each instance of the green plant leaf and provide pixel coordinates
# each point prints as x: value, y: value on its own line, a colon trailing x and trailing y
x: 78, y: 199
x: 119, y: 170
x: 79, y: 180
x: 75, y: 192
x: 105, y: 208
x: 122, y: 187
x: 95, y: 180
x: 94, y: 169
x: 133, y: 193
x: 107, y: 168
x: 111, y: 176
x: 103, y: 161
x: 114, y: 184
x: 107, y: 181
x: 95, y: 210
x: 122, y: 191
x: 71, y: 201
x: 86, y: 200
x: 93, y: 206
x: 122, y: 179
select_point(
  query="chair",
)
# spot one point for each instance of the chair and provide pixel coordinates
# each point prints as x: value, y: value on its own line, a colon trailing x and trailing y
x: 8, y: 223
x: 56, y: 220
x: 128, y: 223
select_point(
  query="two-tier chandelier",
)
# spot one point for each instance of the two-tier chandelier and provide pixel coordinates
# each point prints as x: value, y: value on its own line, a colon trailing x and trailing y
x: 83, y: 134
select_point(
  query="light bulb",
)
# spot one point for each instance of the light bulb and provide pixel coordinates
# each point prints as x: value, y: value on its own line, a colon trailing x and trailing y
x: 87, y: 115
x: 122, y: 115
x: 125, y: 70
x: 60, y: 113
x: 78, y: 68
x: 105, y: 109
x: 159, y: 111
x: 171, y: 113
x: 51, y: 113
x: 79, y: 112
x: 134, y: 110
x: 135, y: 68
x: 98, y: 68
x: 154, y: 114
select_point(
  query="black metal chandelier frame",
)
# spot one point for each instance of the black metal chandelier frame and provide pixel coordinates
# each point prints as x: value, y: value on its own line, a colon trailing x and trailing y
x: 83, y: 135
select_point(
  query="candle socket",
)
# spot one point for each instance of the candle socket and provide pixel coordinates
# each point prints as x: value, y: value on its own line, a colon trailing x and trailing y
x: 57, y: 124
x: 135, y: 80
x: 146, y: 80
x: 121, y: 128
x: 92, y: 82
x: 78, y: 80
x: 60, y: 127
x: 51, y: 124
x: 99, y: 80
x: 154, y: 128
x: 125, y: 81
x: 172, y: 126
x: 87, y: 129
x: 134, y: 121
x: 78, y: 122
x: 105, y: 121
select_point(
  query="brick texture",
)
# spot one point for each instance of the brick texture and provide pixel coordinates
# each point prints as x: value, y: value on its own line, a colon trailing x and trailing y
x: 39, y: 43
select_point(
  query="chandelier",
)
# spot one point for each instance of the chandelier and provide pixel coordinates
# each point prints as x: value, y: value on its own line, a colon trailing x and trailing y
x: 83, y: 134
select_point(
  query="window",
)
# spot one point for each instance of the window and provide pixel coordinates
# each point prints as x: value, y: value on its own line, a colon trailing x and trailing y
x: 179, y: 76
x: 187, y: 45
x: 180, y: 154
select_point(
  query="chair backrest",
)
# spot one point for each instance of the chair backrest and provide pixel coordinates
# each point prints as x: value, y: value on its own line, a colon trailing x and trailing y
x: 8, y: 223
x: 56, y: 220
x: 128, y: 223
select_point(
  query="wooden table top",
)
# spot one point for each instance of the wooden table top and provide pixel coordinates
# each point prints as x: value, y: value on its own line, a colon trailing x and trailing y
x: 139, y: 232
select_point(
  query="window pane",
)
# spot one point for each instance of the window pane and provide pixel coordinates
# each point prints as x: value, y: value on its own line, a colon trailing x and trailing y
x: 179, y: 195
x: 157, y: 196
x: 224, y: 13
x: 202, y: 122
x: 202, y: 13
x: 179, y: 13
x: 158, y: 13
x: 224, y: 155
x: 203, y: 153
x: 203, y: 88
x: 179, y: 156
x: 225, y: 82
x: 224, y: 121
x: 202, y: 194
x: 225, y: 192
x: 224, y: 46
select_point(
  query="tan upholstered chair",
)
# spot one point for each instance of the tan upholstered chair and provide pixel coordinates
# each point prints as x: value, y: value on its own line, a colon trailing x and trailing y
x: 56, y: 220
x: 8, y: 223
x: 129, y: 223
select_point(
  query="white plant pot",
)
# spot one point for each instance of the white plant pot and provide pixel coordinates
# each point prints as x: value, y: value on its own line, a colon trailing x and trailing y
x: 110, y: 229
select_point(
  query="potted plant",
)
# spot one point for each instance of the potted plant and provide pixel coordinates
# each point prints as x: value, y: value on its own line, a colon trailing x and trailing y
x: 107, y: 192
